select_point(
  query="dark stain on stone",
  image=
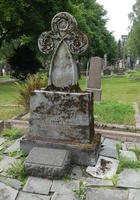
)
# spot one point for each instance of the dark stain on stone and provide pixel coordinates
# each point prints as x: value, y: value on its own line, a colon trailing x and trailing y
x: 71, y: 88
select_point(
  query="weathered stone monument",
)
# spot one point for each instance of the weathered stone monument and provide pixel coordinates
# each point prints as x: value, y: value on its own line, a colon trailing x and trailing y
x: 61, y: 116
x: 94, y: 80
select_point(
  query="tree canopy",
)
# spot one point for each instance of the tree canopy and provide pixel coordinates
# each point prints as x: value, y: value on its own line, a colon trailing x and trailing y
x: 26, y: 19
x: 134, y: 35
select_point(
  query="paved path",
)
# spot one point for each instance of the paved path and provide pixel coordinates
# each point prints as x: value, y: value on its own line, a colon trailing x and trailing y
x: 127, y: 187
x: 8, y: 81
x: 137, y: 114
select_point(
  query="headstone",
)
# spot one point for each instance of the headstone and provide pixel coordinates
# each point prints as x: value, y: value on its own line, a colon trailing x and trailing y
x: 94, y: 80
x: 107, y: 72
x: 61, y: 116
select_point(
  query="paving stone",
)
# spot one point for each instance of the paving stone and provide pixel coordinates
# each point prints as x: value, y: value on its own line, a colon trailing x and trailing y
x: 97, y: 182
x: 134, y: 194
x: 5, y: 163
x: 129, y: 178
x: 2, y: 140
x: 128, y: 154
x: 106, y: 194
x: 105, y: 168
x: 48, y: 162
x: 64, y: 186
x: 7, y: 193
x: 132, y: 145
x: 76, y: 172
x: 109, y: 152
x: 38, y: 185
x: 63, y: 196
x: 13, y: 147
x: 110, y: 143
x: 30, y: 196
x: 16, y: 184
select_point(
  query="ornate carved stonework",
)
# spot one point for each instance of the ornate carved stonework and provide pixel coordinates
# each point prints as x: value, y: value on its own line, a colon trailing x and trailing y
x: 63, y: 40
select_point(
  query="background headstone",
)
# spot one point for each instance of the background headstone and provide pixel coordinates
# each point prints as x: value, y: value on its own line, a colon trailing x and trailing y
x: 94, y: 80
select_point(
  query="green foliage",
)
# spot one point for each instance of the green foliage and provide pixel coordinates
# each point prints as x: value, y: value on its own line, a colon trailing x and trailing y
x: 115, y: 179
x: 12, y: 133
x: 17, y: 154
x: 24, y: 62
x: 114, y: 112
x: 25, y: 89
x: 17, y: 170
x: 81, y: 192
x: 137, y: 152
x: 118, y: 148
x: 127, y: 163
x: 134, y: 35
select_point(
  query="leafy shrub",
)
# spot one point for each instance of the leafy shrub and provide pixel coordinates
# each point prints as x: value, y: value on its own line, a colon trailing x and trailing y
x: 24, y: 62
x: 34, y: 82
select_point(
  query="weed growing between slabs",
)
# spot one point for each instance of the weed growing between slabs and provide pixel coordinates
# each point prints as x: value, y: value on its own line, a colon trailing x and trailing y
x: 12, y: 134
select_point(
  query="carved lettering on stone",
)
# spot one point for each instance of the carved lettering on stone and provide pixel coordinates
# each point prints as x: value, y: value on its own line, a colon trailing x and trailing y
x: 64, y: 40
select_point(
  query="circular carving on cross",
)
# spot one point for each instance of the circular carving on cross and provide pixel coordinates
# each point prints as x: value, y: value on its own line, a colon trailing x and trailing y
x: 63, y: 40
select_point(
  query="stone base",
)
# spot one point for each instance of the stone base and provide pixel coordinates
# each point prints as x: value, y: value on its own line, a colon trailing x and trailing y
x: 97, y: 93
x: 81, y: 154
x: 48, y: 162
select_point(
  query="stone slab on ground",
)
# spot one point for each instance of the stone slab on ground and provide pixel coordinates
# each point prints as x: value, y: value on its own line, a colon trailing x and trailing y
x: 134, y: 194
x: 7, y: 193
x: 2, y: 140
x: 13, y: 147
x: 38, y: 185
x: 63, y: 196
x: 109, y: 152
x: 96, y: 182
x: 30, y: 196
x: 5, y: 163
x: 106, y: 194
x: 129, y: 178
x: 64, y: 186
x: 14, y: 183
x: 48, y: 162
x: 76, y: 172
x: 110, y: 143
x: 128, y: 154
x: 132, y: 145
x: 105, y: 168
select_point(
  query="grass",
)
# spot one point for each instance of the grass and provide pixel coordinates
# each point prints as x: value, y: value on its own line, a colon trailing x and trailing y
x: 114, y: 112
x: 5, y: 77
x: 12, y: 134
x: 8, y: 93
x: 9, y: 112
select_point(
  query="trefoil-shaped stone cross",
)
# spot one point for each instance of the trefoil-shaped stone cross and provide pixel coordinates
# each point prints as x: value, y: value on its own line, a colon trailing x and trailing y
x: 64, y: 40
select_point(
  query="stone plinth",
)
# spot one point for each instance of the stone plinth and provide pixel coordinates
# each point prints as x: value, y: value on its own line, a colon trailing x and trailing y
x: 94, y: 81
x: 62, y: 115
x: 46, y: 162
x: 81, y: 154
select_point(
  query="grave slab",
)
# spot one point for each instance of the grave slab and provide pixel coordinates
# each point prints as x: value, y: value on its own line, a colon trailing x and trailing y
x: 128, y: 154
x: 14, y: 183
x: 132, y: 145
x: 134, y: 194
x: 7, y: 193
x: 96, y: 182
x: 110, y: 143
x: 76, y: 172
x: 63, y: 196
x: 105, y: 194
x: 2, y: 140
x: 129, y: 178
x: 30, y: 196
x: 38, y: 185
x: 105, y: 168
x: 5, y: 163
x: 109, y: 152
x: 64, y: 186
x: 47, y: 162
x: 13, y: 147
